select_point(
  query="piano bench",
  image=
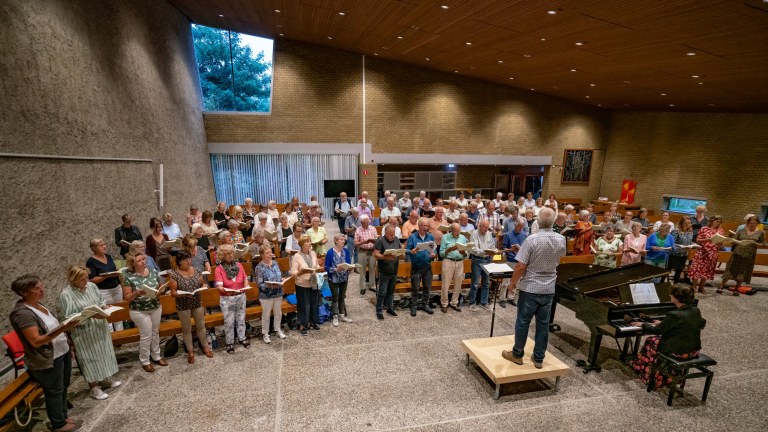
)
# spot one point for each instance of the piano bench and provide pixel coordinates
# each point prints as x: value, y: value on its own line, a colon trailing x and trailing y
x: 667, y: 364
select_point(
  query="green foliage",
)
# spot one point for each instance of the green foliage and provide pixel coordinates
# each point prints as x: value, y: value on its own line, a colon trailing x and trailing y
x: 684, y: 205
x: 252, y: 81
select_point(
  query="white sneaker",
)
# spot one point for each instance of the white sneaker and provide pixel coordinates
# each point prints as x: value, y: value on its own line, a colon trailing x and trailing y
x: 335, y: 320
x: 267, y: 339
x: 108, y: 383
x: 345, y: 318
x: 98, y: 394
x: 473, y: 308
x: 486, y: 307
x: 280, y: 334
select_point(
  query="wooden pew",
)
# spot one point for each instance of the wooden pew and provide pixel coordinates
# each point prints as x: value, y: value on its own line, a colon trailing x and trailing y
x: 21, y: 391
x: 575, y: 202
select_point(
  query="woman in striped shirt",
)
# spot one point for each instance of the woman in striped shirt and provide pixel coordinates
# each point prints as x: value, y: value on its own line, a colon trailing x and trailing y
x: 93, y: 343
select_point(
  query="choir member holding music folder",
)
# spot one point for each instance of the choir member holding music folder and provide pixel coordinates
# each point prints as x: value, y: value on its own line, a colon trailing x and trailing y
x: 81, y: 300
x: 231, y: 281
x: 186, y: 282
x: 141, y: 286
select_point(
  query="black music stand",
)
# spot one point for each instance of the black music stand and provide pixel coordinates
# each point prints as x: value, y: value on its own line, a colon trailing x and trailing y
x: 496, y: 278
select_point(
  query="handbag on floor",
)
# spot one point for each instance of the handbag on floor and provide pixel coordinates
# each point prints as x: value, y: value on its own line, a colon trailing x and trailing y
x: 171, y: 347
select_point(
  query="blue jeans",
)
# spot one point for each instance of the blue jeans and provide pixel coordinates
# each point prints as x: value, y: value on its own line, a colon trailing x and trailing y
x: 528, y: 306
x: 55, y: 382
x: 341, y: 222
x: 386, y: 292
x: 352, y: 249
x: 477, y: 275
x: 657, y: 264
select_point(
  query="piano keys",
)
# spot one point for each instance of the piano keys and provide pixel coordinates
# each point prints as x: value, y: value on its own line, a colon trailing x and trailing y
x: 601, y: 297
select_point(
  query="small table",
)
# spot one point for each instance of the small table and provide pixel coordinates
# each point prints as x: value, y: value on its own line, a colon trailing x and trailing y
x: 486, y: 352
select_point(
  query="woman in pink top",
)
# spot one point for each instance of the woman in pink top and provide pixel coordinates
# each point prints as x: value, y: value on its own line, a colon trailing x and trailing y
x: 231, y: 281
x: 634, y: 241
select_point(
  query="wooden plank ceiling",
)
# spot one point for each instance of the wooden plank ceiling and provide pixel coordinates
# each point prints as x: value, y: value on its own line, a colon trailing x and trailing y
x: 660, y: 55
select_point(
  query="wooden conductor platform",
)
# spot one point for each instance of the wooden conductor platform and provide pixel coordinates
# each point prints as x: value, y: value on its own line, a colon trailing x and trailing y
x: 486, y: 352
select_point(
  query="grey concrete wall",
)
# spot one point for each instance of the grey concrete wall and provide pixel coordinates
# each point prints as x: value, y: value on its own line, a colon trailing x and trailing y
x: 105, y: 78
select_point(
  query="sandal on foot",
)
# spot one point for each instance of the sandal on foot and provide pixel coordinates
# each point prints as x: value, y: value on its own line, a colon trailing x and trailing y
x: 719, y: 291
x: 246, y: 344
x: 230, y: 349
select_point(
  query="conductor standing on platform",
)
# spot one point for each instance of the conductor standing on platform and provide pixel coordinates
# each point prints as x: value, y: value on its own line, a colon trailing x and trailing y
x: 536, y: 270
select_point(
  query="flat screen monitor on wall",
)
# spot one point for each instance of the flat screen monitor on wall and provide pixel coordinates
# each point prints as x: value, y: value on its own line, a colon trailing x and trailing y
x: 334, y: 188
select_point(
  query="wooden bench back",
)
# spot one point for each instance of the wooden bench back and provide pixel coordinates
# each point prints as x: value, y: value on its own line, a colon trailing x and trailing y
x: 284, y: 263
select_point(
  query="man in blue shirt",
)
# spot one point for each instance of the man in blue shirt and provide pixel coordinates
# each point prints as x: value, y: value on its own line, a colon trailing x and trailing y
x: 510, y: 245
x: 421, y: 267
x: 473, y: 213
x: 351, y: 224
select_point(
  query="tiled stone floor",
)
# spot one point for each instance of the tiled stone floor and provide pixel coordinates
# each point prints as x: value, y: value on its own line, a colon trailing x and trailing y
x: 408, y: 373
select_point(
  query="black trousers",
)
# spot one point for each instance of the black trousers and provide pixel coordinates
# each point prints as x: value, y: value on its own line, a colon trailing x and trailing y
x: 55, y: 382
x: 308, y: 305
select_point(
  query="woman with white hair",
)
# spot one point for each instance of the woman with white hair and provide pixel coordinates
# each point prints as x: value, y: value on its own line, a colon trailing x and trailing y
x: 318, y: 236
x: 249, y: 210
x: 338, y: 278
x: 584, y: 237
x: 569, y: 214
x: 234, y: 231
x: 202, y: 240
x: 311, y: 214
x: 272, y: 211
x: 658, y: 246
x: 634, y: 245
x: 265, y: 222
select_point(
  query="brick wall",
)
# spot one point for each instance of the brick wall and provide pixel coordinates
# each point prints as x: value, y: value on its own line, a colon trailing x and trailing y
x: 368, y: 182
x: 721, y: 157
x: 317, y: 97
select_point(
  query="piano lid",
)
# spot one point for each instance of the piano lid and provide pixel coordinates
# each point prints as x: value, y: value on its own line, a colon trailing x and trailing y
x: 586, y: 278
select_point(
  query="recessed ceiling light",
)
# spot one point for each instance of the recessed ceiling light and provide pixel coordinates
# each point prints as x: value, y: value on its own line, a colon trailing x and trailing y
x: 445, y: 7
x: 511, y: 78
x: 526, y: 55
x: 415, y: 27
x: 469, y: 43
x: 279, y: 25
x: 579, y: 43
x: 591, y: 85
x: 221, y: 15
x: 626, y: 82
x: 599, y: 105
x: 587, y: 97
x: 551, y: 12
x: 471, y: 67
x: 456, y: 71
x: 533, y: 89
x: 543, y: 39
x: 375, y: 53
x: 701, y: 83
x: 281, y: 34
x: 341, y: 13
x: 691, y: 53
x: 330, y: 37
x: 277, y: 10
x: 501, y: 61
x: 427, y: 58
x: 694, y: 76
x: 573, y: 70
x: 671, y: 105
x: 399, y: 37
x: 663, y: 94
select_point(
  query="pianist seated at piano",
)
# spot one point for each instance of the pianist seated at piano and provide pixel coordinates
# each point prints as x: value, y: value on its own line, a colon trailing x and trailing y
x: 677, y: 335
x: 659, y: 245
x: 584, y: 236
x: 607, y: 247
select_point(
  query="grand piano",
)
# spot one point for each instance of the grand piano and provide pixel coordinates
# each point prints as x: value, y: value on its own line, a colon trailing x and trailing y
x: 601, y: 298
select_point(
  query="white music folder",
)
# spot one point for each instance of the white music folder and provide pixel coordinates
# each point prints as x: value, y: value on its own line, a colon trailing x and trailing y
x: 493, y: 268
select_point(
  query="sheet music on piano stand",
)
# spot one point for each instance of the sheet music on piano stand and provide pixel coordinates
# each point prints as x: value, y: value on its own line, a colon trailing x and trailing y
x: 644, y: 293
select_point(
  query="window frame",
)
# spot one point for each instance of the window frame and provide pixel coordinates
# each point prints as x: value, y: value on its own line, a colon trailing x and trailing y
x: 667, y: 199
x: 271, y: 81
x: 764, y: 212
